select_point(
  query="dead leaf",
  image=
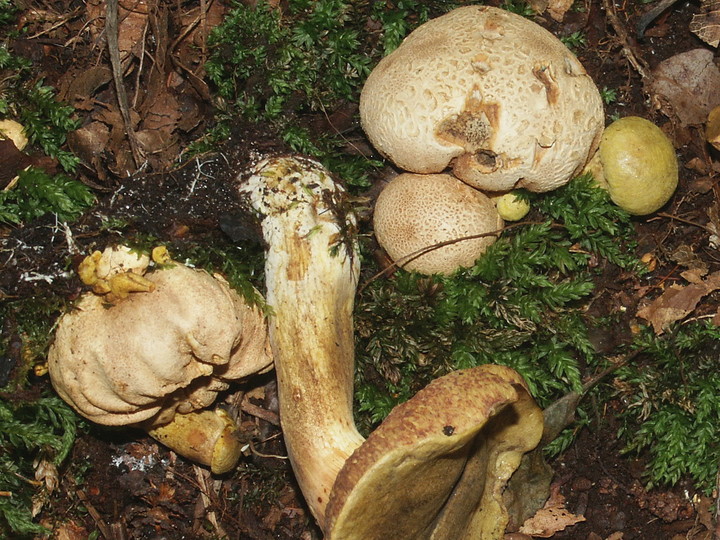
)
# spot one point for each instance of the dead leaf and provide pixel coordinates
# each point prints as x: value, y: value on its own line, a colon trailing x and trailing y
x: 558, y: 8
x: 712, y: 129
x: 132, y: 25
x: 70, y: 531
x: 706, y: 24
x: 552, y: 518
x: 677, y: 302
x: 694, y: 275
x: 686, y: 257
x: 687, y: 86
x: 89, y: 142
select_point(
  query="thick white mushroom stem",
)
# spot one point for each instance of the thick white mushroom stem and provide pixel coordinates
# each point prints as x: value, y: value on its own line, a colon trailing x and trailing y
x: 311, y: 272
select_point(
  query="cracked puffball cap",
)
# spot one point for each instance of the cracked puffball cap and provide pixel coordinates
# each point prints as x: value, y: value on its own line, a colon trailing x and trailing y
x: 415, y: 212
x: 489, y: 93
x: 637, y: 165
x: 437, y: 466
x: 155, y: 353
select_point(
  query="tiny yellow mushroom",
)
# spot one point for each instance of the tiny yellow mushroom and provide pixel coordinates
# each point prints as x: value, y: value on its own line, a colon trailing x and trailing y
x: 161, y: 255
x: 87, y: 269
x: 511, y: 207
x: 115, y: 273
x: 121, y: 285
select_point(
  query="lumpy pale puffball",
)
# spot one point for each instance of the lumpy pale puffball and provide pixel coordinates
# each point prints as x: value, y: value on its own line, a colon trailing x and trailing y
x: 415, y: 212
x: 489, y: 93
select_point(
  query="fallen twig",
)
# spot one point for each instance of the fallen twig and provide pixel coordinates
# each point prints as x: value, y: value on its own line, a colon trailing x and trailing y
x: 111, y: 31
x: 626, y: 43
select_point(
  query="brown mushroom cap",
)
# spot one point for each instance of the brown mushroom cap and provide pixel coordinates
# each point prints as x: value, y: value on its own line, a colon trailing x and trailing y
x: 156, y: 352
x: 416, y: 211
x: 492, y: 94
x: 437, y: 466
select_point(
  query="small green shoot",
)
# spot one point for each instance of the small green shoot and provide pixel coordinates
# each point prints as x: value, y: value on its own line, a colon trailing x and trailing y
x: 608, y: 95
x: 519, y: 7
x: 574, y: 41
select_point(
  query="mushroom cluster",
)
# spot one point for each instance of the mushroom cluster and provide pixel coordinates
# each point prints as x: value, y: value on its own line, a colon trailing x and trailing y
x: 153, y: 349
x: 488, y: 94
x: 438, y: 465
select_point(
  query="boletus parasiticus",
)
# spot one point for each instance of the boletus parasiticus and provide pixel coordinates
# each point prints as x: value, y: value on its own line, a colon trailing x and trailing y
x: 489, y: 93
x: 153, y: 349
x: 437, y: 466
x: 636, y: 163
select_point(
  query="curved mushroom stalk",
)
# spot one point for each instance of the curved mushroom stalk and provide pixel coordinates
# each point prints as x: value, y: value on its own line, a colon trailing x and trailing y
x: 437, y: 460
x: 311, y: 274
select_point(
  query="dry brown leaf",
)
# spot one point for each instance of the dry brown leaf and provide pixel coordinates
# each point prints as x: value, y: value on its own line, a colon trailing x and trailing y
x: 89, y: 142
x: 132, y: 24
x: 706, y: 24
x: 547, y: 521
x: 712, y: 129
x: 687, y: 86
x: 70, y: 531
x: 677, y: 302
x: 552, y: 518
x: 558, y: 8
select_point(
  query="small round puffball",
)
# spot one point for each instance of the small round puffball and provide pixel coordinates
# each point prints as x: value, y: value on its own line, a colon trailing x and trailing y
x: 416, y: 212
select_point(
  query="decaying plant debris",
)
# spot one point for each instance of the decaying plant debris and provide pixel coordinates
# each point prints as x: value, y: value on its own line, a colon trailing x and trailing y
x: 133, y: 109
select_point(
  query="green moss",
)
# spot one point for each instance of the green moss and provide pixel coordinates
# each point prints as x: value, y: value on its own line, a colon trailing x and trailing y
x: 42, y: 428
x: 46, y: 123
x: 37, y: 194
x: 287, y: 69
x: 46, y: 120
x: 671, y: 406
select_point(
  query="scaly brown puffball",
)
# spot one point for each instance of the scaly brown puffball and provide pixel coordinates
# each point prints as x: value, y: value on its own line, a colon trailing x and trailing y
x: 415, y: 212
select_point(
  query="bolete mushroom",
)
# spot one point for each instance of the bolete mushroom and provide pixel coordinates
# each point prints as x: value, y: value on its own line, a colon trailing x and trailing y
x: 434, y: 223
x: 437, y: 466
x: 152, y: 349
x: 492, y: 94
x: 636, y: 163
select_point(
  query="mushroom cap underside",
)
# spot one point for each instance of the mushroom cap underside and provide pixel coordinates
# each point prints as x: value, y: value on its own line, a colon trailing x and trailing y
x: 437, y: 466
x: 488, y: 92
x: 155, y: 352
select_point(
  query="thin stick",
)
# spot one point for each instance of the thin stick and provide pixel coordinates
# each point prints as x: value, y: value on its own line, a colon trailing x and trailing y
x: 111, y: 31
x: 97, y: 518
x: 635, y: 60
